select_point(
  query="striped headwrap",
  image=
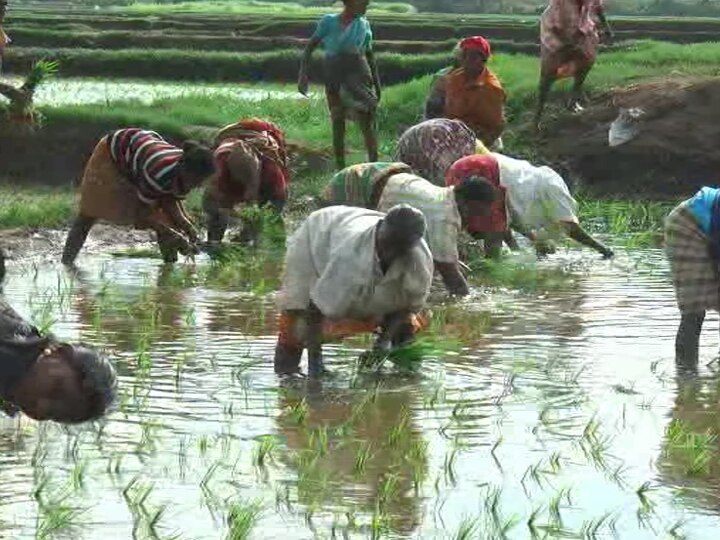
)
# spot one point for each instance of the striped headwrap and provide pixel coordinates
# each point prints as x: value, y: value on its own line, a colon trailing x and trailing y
x: 148, y: 161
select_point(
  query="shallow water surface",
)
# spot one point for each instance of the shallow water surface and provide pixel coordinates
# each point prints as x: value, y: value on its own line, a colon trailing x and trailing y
x: 61, y: 91
x: 560, y: 417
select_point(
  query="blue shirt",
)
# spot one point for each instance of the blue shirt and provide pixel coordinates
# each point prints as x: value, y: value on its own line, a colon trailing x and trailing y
x: 356, y: 37
x: 701, y: 206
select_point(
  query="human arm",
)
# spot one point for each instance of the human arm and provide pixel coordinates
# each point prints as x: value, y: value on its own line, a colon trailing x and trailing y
x: 370, y: 55
x: 303, y: 79
x: 179, y: 219
x: 452, y: 277
x: 435, y: 104
x: 607, y: 30
x: 577, y: 233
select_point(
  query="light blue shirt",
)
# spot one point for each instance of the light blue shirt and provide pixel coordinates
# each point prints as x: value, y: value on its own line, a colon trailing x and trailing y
x: 356, y: 37
x: 701, y: 205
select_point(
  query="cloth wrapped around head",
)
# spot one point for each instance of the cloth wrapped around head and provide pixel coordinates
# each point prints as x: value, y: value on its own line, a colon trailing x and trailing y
x: 476, y: 43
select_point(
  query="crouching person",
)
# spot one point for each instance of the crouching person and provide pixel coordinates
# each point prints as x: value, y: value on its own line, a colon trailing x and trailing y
x: 134, y: 177
x: 447, y: 210
x: 50, y: 380
x: 252, y: 169
x: 351, y: 264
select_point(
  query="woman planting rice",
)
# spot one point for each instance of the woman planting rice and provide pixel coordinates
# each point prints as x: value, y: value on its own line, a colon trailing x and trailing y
x: 134, y: 177
x: 252, y: 168
x: 352, y: 83
x: 692, y: 242
x: 432, y: 146
x: 568, y: 45
x: 537, y: 202
x: 447, y: 210
x: 470, y: 92
x: 357, y: 268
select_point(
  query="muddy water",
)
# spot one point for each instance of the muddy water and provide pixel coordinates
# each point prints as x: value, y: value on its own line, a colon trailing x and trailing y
x: 59, y: 92
x: 552, y: 419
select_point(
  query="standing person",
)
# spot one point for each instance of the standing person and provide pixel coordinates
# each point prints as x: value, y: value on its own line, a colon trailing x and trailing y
x: 352, y: 82
x: 569, y: 41
x: 344, y: 263
x: 252, y: 168
x: 134, y: 177
x: 447, y: 210
x: 470, y: 92
x: 692, y: 243
x: 432, y: 146
x: 50, y: 380
x: 4, y: 38
x: 537, y: 201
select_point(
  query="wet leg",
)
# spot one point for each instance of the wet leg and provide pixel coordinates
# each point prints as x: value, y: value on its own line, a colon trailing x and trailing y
x: 688, y: 340
x: 338, y: 127
x: 217, y: 224
x: 367, y: 126
x: 76, y: 238
x: 168, y: 246
x: 578, y: 99
x: 546, y: 83
x: 287, y: 359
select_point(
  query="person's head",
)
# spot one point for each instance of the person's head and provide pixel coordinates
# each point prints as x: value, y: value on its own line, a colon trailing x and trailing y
x: 400, y: 230
x: 473, y: 196
x: 197, y: 165
x: 357, y: 8
x: 472, y: 54
x: 66, y: 383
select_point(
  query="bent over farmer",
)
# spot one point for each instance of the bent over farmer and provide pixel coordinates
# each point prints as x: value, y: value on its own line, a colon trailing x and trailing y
x: 432, y: 146
x: 569, y: 41
x: 252, y: 169
x: 355, y: 268
x: 470, y: 92
x: 352, y: 82
x: 134, y: 177
x: 692, y: 243
x: 50, y: 380
x: 447, y: 210
x: 538, y: 203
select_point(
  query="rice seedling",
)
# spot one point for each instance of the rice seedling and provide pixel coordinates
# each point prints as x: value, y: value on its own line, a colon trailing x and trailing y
x: 468, y: 529
x: 298, y: 412
x: 264, y: 448
x: 361, y: 458
x: 593, y: 529
x: 693, y: 451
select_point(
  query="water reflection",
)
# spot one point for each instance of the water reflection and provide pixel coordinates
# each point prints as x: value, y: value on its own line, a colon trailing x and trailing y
x: 690, y: 457
x: 373, y: 446
x: 567, y: 390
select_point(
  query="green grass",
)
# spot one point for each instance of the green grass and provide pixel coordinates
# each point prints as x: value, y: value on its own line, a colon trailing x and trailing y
x: 254, y: 7
x: 36, y: 207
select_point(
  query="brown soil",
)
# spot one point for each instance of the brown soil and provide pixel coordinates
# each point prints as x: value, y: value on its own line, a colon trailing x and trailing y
x: 22, y: 244
x: 675, y: 152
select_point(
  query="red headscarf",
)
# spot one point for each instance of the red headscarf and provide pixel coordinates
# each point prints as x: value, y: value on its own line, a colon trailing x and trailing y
x: 476, y: 43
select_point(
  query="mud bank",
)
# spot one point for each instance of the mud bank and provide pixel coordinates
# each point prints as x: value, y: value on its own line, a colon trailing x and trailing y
x: 673, y: 153
x: 31, y: 245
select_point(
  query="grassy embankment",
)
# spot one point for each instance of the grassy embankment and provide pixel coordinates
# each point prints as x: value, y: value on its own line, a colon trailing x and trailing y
x: 306, y: 121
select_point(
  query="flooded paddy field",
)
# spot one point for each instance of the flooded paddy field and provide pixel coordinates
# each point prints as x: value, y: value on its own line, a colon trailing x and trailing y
x: 81, y: 91
x: 554, y: 412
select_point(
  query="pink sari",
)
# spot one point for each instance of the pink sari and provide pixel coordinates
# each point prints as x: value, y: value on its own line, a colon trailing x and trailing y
x: 569, y: 36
